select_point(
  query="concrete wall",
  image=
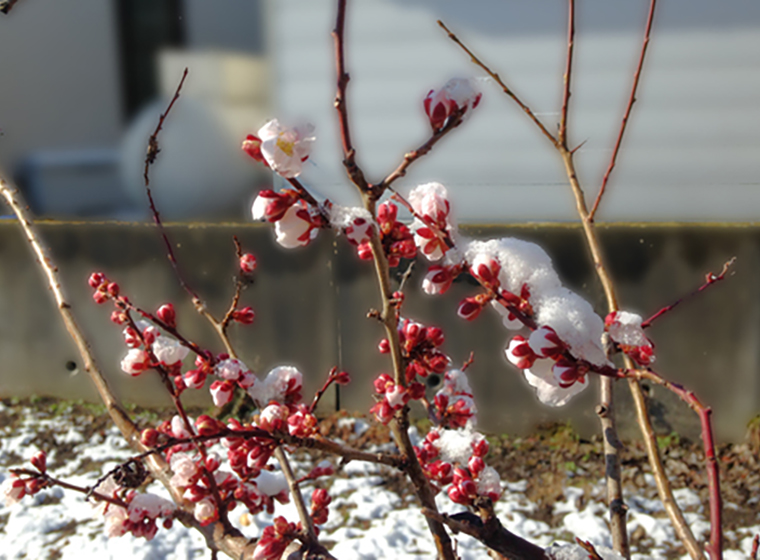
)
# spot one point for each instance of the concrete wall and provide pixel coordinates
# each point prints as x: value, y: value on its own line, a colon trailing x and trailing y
x: 311, y: 307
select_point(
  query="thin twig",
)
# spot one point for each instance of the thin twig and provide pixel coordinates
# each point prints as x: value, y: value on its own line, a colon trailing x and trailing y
x: 562, y: 135
x: 150, y: 158
x: 410, y: 157
x: 295, y: 491
x: 629, y: 107
x: 710, y: 279
x: 88, y: 492
x: 501, y: 83
x: 349, y: 154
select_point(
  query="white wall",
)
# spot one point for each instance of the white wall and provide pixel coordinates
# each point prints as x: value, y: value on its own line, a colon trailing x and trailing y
x: 59, y: 77
x: 692, y: 153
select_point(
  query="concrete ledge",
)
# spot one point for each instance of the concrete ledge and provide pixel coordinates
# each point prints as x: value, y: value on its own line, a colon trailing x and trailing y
x: 311, y: 307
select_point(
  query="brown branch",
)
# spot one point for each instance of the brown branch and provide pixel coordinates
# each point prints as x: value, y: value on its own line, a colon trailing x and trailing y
x: 562, y: 135
x: 231, y: 542
x: 491, y: 533
x: 303, y: 513
x: 710, y: 279
x: 629, y: 107
x: 506, y: 89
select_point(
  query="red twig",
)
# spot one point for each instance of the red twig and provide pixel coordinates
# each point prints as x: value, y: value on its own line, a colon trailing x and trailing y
x: 715, y: 546
x: 349, y: 154
x: 150, y: 158
x: 710, y: 279
x: 631, y: 101
x: 68, y: 486
x: 562, y: 136
x: 410, y: 157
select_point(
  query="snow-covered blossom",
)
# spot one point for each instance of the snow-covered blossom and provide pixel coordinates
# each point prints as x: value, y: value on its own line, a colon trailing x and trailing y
x: 295, y: 228
x: 455, y: 446
x: 169, y: 351
x: 149, y: 506
x: 355, y: 222
x: 230, y: 368
x: 458, y: 94
x: 274, y: 418
x: 184, y: 468
x: 625, y: 329
x: 548, y: 388
x: 545, y: 343
x: 432, y: 225
x: 115, y: 520
x: 179, y: 429
x: 282, y: 385
x: 135, y: 362
x: 221, y: 392
x: 282, y: 148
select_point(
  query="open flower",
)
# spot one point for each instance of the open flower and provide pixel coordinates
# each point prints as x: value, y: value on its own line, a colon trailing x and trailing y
x: 282, y: 148
x: 295, y: 228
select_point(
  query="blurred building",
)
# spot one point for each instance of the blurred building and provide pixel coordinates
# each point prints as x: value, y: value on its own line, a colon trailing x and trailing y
x: 78, y: 74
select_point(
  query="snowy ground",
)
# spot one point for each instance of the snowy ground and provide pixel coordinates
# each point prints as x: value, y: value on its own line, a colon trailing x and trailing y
x: 369, y: 518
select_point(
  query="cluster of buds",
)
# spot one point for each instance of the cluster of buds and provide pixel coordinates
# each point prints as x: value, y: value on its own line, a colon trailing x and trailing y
x: 544, y: 356
x: 419, y: 348
x: 281, y: 148
x: 14, y: 487
x: 486, y: 271
x: 432, y: 225
x: 149, y: 348
x: 396, y: 238
x: 455, y: 98
x: 140, y: 515
x: 454, y: 404
x: 320, y: 500
x: 626, y: 332
x: 462, y: 467
x: 104, y: 289
x: 275, y: 539
x: 394, y: 396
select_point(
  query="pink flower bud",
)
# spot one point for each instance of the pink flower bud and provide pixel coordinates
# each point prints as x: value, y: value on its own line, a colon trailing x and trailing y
x: 221, y: 392
x: 167, y: 314
x: 342, y: 378
x: 39, y: 461
x: 244, y: 316
x: 252, y: 146
x: 113, y: 289
x: 520, y: 353
x: 437, y: 280
x: 545, y: 342
x: 364, y: 250
x: 384, y: 347
x: 96, y: 279
x: 486, y: 270
x: 470, y: 308
x: 475, y: 464
x: 247, y: 263
x: 149, y: 437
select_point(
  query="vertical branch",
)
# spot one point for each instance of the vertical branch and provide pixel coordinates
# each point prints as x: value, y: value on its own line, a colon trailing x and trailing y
x: 606, y: 408
x: 349, y: 154
x: 631, y: 101
x: 400, y: 423
x: 562, y: 136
